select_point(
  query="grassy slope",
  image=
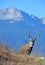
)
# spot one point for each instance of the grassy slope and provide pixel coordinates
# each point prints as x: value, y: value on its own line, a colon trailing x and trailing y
x: 19, y: 59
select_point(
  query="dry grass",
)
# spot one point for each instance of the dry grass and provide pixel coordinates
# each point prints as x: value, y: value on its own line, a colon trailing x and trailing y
x: 12, y: 58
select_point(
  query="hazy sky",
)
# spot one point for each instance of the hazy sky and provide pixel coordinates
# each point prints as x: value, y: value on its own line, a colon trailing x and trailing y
x: 35, y: 7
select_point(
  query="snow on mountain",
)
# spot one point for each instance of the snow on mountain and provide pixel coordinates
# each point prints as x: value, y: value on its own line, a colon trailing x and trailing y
x: 10, y: 13
x: 32, y: 16
x: 42, y: 19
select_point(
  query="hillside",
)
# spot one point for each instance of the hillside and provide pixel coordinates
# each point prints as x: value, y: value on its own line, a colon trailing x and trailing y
x: 15, y: 25
x: 8, y: 57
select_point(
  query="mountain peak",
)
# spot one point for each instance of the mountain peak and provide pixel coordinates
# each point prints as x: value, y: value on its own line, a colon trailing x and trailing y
x: 10, y: 13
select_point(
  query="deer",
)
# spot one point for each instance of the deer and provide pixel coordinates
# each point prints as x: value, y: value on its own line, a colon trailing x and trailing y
x: 27, y: 48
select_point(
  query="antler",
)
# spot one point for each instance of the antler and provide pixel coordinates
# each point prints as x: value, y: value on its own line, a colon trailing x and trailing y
x: 29, y: 34
x: 38, y: 35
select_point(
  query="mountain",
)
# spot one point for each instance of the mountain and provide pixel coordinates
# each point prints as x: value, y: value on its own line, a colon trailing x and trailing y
x: 15, y: 25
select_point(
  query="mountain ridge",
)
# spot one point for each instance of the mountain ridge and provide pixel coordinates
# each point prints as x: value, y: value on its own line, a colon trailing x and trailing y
x: 14, y: 14
x: 16, y: 30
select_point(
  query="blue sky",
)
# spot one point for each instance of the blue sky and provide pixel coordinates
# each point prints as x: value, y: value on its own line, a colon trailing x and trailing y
x: 35, y: 7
